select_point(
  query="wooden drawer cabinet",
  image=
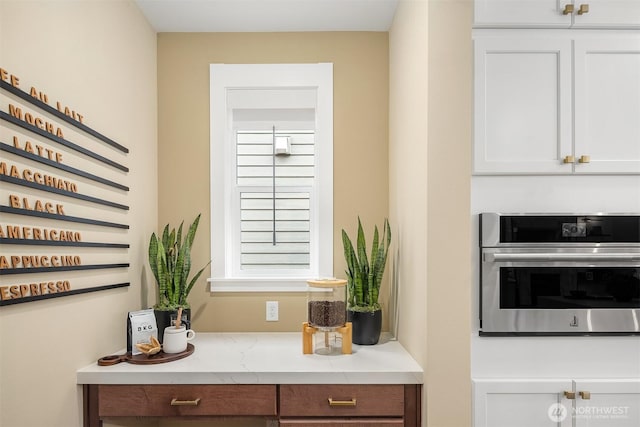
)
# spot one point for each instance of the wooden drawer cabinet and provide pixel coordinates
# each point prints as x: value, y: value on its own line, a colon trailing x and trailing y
x: 341, y: 400
x: 186, y: 400
x: 298, y: 405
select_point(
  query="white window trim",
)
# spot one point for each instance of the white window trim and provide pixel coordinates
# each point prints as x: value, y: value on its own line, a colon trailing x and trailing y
x: 237, y: 76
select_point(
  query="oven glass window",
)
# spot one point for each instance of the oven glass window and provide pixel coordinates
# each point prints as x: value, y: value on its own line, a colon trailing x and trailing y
x: 569, y: 287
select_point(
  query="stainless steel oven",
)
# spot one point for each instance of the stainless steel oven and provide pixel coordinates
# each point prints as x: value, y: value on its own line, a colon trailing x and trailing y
x: 547, y: 274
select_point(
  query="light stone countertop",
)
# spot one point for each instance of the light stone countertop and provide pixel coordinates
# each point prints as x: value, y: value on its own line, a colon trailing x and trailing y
x: 265, y: 358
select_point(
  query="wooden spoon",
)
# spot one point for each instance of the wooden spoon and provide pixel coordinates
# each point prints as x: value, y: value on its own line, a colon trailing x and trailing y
x: 179, y: 318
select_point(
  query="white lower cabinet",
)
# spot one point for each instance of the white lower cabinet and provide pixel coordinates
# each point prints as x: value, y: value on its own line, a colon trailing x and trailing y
x: 556, y: 402
x: 608, y: 403
x: 521, y: 403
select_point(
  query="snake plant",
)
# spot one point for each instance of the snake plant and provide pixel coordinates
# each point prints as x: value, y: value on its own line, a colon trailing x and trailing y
x: 170, y: 261
x: 364, y: 275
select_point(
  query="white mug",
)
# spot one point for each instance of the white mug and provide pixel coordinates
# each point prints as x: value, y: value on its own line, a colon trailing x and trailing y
x: 175, y: 339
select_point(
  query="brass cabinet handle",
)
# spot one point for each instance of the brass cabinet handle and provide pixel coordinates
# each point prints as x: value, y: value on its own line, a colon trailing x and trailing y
x: 586, y: 395
x: 584, y: 8
x: 176, y: 402
x: 568, y: 159
x: 584, y: 159
x: 351, y: 402
x: 570, y: 395
x: 568, y: 9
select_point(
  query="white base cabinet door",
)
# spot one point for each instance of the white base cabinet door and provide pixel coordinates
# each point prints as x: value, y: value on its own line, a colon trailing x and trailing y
x: 607, y: 403
x: 520, y: 403
x: 556, y: 402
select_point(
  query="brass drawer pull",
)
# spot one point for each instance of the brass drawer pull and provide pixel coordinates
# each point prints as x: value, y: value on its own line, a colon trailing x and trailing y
x: 351, y: 402
x: 570, y: 395
x: 176, y: 402
x: 585, y: 395
x: 568, y: 9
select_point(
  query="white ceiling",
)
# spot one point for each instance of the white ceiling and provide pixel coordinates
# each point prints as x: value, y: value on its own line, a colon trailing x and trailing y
x: 268, y: 15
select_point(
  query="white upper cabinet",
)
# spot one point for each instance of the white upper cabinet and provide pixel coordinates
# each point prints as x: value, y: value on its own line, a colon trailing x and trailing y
x: 522, y: 105
x: 557, y: 14
x: 607, y: 105
x: 521, y: 13
x: 607, y: 14
x: 556, y: 104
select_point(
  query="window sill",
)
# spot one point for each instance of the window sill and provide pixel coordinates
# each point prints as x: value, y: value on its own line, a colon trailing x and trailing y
x: 220, y: 285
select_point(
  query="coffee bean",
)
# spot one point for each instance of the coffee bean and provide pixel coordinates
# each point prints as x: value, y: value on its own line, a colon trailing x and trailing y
x: 327, y: 314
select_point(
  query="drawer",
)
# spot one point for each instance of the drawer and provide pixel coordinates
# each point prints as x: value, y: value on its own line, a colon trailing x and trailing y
x: 341, y: 400
x: 186, y: 400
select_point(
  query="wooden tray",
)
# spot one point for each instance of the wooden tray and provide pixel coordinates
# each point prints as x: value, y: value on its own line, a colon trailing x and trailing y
x: 143, y: 359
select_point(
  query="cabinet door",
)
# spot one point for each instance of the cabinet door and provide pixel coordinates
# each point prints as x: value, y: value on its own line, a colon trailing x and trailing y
x: 609, y: 403
x: 607, y: 105
x: 521, y: 403
x: 608, y: 14
x: 522, y: 105
x: 622, y: 14
x: 521, y: 13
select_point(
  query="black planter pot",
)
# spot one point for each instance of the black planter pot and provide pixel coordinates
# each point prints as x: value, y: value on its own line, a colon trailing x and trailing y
x: 366, y: 326
x: 166, y: 318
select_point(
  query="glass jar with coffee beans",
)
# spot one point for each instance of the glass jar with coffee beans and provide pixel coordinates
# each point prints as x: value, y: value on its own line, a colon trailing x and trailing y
x: 327, y: 311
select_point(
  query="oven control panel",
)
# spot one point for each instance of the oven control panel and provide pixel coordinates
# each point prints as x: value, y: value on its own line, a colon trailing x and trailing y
x: 571, y: 229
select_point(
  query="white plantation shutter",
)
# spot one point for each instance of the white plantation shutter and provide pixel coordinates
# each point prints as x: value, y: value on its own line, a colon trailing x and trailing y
x: 292, y: 245
x: 254, y: 159
x: 286, y: 243
x: 256, y: 196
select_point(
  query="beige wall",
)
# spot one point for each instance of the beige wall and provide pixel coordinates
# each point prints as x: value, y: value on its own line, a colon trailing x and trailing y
x: 408, y: 128
x: 360, y: 147
x: 99, y: 56
x: 430, y: 148
x: 448, y: 385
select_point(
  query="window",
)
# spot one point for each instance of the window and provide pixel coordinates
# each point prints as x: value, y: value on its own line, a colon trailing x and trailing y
x: 271, y: 176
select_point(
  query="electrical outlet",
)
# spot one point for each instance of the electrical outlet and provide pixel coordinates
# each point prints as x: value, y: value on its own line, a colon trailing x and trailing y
x: 272, y: 311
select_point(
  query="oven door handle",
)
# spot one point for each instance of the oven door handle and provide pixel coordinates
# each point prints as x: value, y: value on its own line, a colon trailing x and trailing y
x: 537, y: 257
